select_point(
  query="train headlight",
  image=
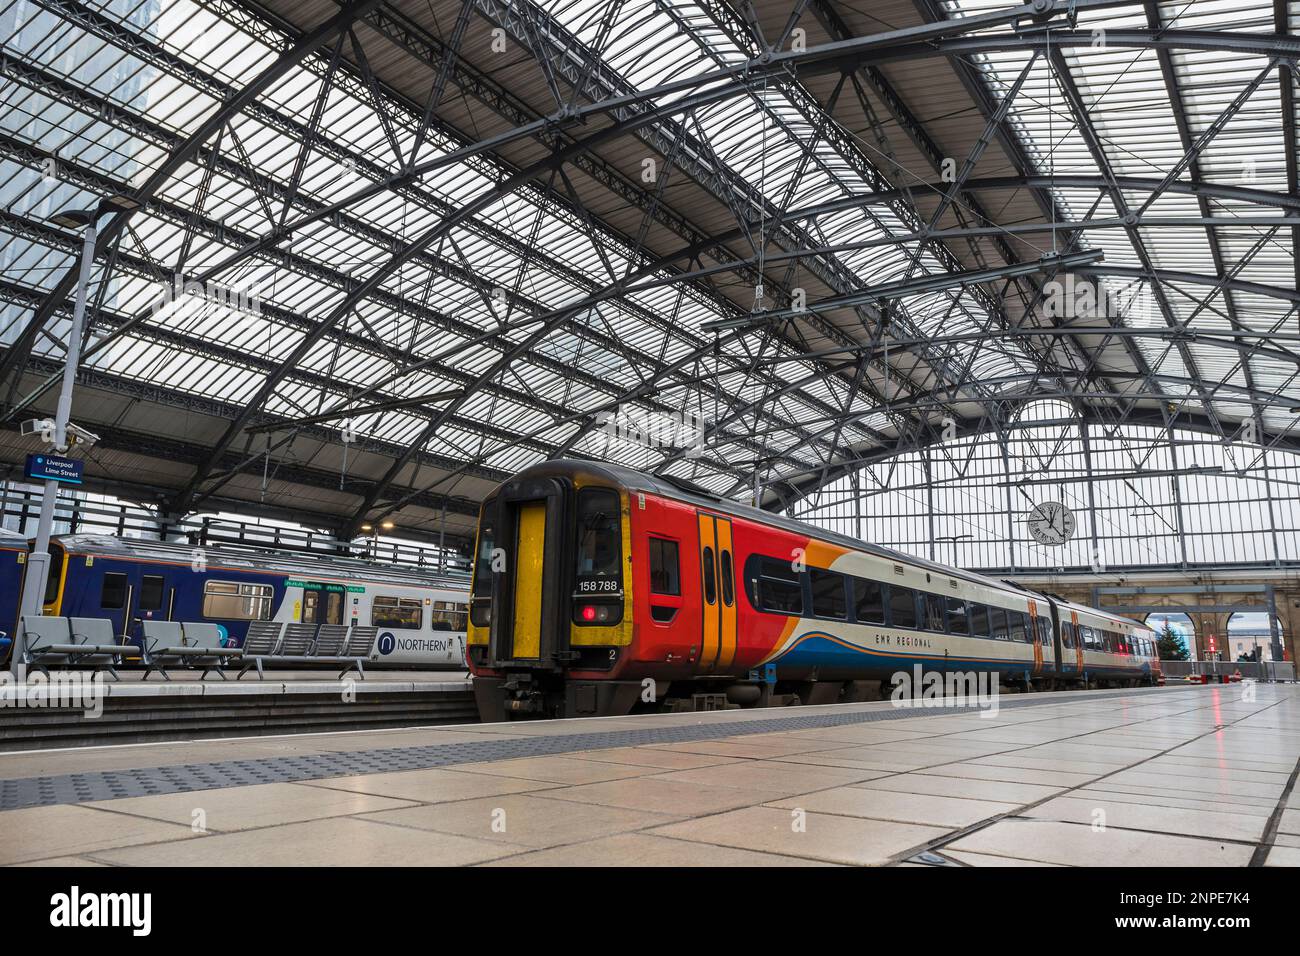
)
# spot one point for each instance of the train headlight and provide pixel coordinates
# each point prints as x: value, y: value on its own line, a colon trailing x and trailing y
x: 598, y: 613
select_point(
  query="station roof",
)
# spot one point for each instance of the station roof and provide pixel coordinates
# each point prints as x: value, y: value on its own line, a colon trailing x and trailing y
x: 388, y: 253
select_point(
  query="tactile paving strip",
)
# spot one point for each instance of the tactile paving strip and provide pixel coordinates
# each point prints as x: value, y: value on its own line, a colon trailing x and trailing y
x: 24, y: 792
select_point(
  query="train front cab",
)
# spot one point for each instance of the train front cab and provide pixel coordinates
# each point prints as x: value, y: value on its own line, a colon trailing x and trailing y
x: 551, y: 600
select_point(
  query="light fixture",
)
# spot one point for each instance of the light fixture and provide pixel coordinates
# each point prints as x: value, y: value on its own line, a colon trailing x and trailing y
x: 75, y: 218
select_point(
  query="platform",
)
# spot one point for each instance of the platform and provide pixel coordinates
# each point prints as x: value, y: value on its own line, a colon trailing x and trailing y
x: 1194, y: 776
x: 135, y: 710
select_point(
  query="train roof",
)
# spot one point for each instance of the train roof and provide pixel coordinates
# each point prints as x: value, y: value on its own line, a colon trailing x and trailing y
x: 1100, y: 612
x: 639, y: 481
x: 11, y: 537
x: 270, y: 561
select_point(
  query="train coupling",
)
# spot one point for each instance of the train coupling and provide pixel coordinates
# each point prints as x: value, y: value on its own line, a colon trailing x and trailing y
x: 521, y: 696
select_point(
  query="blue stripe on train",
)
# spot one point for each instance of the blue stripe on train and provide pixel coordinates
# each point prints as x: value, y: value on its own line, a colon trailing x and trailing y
x: 827, y: 651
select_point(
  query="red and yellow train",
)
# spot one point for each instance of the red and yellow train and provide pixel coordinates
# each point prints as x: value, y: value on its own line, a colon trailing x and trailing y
x: 601, y: 591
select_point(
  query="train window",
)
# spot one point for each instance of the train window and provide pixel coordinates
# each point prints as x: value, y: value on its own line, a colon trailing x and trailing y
x: 868, y: 601
x: 778, y: 587
x: 998, y: 623
x: 400, y: 613
x: 113, y: 595
x: 710, y: 577
x: 1067, y: 635
x: 334, y: 607
x: 151, y: 592
x: 935, y: 609
x: 56, y: 573
x: 979, y: 620
x: 447, y: 616
x: 481, y: 603
x: 665, y: 568
x: 1045, y: 632
x: 957, y: 620
x: 229, y: 600
x: 828, y: 594
x: 599, y: 538
x: 1016, y: 621
x: 728, y: 573
x: 902, y: 606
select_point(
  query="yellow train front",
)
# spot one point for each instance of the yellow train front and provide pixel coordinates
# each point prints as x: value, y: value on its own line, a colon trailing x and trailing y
x: 551, y: 602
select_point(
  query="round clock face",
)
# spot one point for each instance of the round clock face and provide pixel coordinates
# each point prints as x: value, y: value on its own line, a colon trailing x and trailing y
x: 1051, y: 523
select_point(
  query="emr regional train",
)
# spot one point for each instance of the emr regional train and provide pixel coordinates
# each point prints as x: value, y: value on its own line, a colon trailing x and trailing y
x: 591, y: 580
x: 420, y: 617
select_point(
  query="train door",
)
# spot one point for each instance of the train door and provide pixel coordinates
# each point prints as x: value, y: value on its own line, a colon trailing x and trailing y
x: 1057, y: 636
x: 718, y: 590
x: 334, y: 600
x: 526, y: 632
x: 1035, y: 635
x: 311, y: 607
x: 116, y: 600
x: 152, y: 603
x: 533, y: 584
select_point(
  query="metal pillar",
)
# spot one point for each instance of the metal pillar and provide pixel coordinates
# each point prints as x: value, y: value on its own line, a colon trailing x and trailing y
x: 38, y: 562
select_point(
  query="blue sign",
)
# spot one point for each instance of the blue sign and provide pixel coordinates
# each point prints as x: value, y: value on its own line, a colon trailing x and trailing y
x: 386, y: 643
x: 55, y: 468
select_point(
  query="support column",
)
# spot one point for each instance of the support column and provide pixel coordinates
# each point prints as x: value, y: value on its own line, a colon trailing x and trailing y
x: 1288, y: 611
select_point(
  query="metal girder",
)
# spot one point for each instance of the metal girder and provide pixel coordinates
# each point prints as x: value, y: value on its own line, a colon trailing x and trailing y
x: 230, y: 107
x: 975, y: 427
x: 366, y: 288
x: 582, y: 68
x: 733, y: 191
x: 217, y: 408
x: 140, y: 443
x: 851, y: 55
x: 1287, y: 78
x: 238, y: 172
x: 499, y: 238
x: 157, y: 272
x: 978, y: 88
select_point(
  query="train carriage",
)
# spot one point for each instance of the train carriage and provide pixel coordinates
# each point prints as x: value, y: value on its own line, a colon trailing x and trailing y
x: 598, y: 590
x: 420, y: 617
x: 13, y: 557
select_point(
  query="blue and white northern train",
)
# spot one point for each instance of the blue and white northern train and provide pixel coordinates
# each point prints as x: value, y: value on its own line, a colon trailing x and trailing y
x: 13, y: 555
x: 420, y: 616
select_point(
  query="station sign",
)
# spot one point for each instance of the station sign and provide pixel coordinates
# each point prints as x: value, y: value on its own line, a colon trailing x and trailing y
x: 55, y: 468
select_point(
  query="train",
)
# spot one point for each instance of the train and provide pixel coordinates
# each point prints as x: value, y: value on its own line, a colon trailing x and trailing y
x: 600, y: 591
x: 13, y: 558
x: 421, y: 617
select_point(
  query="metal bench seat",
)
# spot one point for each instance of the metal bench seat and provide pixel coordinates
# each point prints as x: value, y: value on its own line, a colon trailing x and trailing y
x: 172, y: 643
x: 75, y: 642
x: 292, y: 643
